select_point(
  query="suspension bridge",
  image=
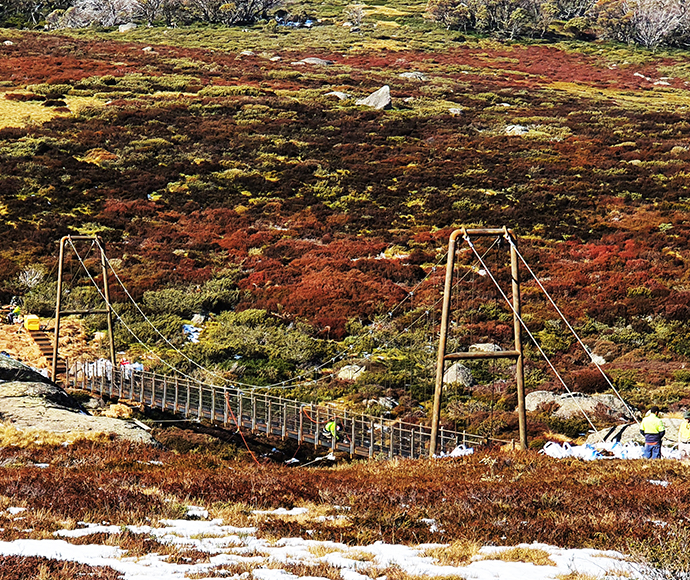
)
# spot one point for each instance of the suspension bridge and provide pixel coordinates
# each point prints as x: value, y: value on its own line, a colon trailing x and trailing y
x: 243, y: 406
x: 233, y: 408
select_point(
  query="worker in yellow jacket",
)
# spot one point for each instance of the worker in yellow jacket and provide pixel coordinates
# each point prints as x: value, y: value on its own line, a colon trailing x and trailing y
x: 653, y: 430
x: 684, y: 436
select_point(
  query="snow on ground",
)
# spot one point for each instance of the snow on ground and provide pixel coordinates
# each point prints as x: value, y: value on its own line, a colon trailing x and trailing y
x: 227, y: 545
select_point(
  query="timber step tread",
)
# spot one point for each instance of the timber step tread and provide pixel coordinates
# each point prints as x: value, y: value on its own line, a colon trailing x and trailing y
x: 45, y: 344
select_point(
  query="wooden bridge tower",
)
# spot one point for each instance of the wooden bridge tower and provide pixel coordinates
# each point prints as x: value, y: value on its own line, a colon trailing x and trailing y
x: 515, y: 354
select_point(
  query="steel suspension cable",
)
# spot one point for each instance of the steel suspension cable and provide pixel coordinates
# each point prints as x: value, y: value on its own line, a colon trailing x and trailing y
x: 288, y: 383
x: 120, y: 319
x: 572, y: 330
x: 522, y: 323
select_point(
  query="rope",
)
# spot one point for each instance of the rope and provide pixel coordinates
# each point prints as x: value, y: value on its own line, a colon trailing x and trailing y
x: 572, y: 330
x: 522, y: 323
x: 239, y: 429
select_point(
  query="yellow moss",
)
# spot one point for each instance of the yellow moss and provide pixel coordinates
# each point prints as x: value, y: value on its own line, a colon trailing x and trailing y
x: 19, y: 114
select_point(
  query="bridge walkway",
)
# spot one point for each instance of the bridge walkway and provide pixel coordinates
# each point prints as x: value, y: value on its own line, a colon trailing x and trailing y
x: 231, y: 407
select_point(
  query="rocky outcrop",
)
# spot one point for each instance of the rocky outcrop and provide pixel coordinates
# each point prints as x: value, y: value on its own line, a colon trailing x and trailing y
x: 573, y: 405
x: 631, y: 432
x: 30, y: 401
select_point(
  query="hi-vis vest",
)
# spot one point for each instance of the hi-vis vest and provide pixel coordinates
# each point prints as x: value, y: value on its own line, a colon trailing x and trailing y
x: 651, y: 424
x: 684, y: 432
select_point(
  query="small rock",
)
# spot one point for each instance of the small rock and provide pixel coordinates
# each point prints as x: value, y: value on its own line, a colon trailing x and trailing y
x: 455, y: 111
x: 342, y: 96
x: 485, y: 347
x: 127, y: 27
x: 274, y: 59
x: 8, y: 43
x: 415, y: 75
x: 248, y: 53
x: 380, y: 99
x: 316, y: 61
x: 147, y: 49
x: 516, y: 130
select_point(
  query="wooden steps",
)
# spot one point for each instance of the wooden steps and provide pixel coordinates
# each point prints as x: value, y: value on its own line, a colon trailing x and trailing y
x: 45, y: 343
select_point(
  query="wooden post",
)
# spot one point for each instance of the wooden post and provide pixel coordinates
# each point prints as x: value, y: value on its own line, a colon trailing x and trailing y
x: 283, y: 432
x: 165, y: 392
x: 200, y: 407
x: 371, y: 438
x: 226, y: 402
x: 300, y: 433
x: 177, y: 395
x: 352, y: 437
x: 316, y: 429
x: 189, y: 391
x: 517, y: 331
x: 213, y: 404
x: 253, y: 413
x: 268, y: 416
x: 443, y: 339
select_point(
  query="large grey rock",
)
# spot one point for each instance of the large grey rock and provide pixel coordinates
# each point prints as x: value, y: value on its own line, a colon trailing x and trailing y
x: 458, y: 374
x: 573, y: 405
x: 380, y: 99
x: 350, y: 372
x: 127, y: 27
x: 631, y: 432
x: 30, y: 401
x: 12, y: 370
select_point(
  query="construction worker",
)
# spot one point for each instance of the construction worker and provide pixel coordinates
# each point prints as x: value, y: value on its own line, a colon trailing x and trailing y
x: 335, y: 430
x: 684, y: 436
x: 653, y: 430
x: 15, y: 313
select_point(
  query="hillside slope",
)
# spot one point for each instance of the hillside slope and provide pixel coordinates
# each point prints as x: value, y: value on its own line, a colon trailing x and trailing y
x: 221, y: 165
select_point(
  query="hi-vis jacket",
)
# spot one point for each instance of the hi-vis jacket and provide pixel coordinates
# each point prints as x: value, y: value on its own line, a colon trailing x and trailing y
x: 684, y: 432
x: 653, y: 429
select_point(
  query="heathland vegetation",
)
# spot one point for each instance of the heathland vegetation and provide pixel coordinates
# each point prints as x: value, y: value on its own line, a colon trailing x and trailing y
x: 233, y: 179
x: 238, y: 186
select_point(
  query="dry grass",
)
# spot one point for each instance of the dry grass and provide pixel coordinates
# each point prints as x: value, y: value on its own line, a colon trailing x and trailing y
x: 321, y: 550
x: 457, y: 553
x: 534, y: 556
x: 118, y: 411
x: 397, y: 573
x: 12, y: 437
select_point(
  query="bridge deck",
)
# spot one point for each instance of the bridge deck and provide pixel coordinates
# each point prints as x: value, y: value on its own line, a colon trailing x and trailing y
x: 367, y: 436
